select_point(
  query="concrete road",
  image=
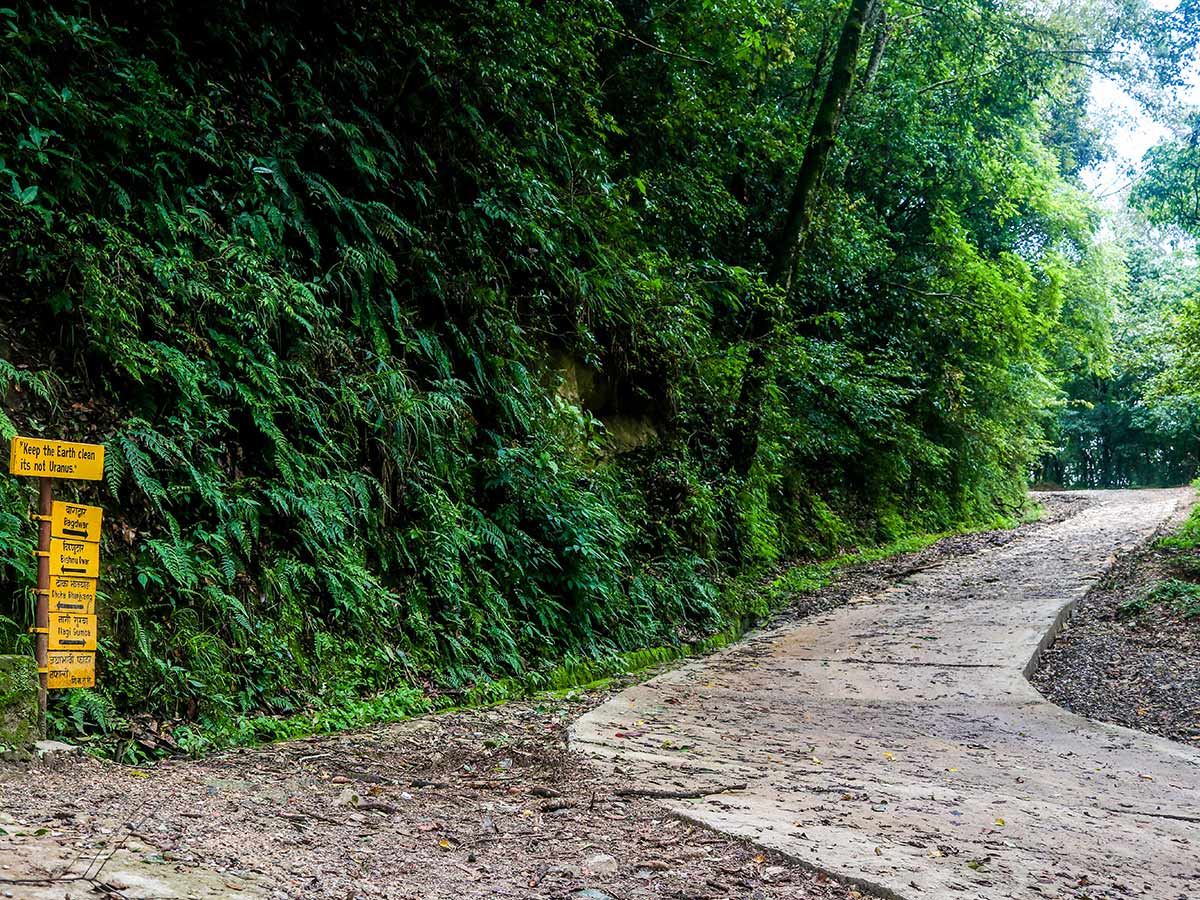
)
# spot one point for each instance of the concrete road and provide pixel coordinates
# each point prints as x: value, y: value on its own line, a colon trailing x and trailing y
x: 896, y: 741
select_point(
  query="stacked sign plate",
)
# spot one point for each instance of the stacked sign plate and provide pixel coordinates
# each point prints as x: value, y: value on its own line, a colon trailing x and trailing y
x: 67, y: 585
x: 74, y: 569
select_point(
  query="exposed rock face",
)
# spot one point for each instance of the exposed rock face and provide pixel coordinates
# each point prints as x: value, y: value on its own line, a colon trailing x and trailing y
x: 627, y: 425
x: 18, y: 702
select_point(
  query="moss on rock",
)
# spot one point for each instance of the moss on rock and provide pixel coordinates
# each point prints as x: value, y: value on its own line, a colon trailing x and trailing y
x: 18, y: 701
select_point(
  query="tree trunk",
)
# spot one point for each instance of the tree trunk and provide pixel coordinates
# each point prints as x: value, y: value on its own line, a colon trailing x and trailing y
x: 820, y: 143
x: 814, y: 85
x: 748, y: 413
x: 883, y: 34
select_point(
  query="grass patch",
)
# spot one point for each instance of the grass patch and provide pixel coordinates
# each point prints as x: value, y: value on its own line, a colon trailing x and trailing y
x: 1179, y: 594
x: 1186, y: 537
x: 1182, y: 597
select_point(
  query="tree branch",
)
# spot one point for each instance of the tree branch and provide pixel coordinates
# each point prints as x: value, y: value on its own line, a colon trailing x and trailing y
x: 656, y: 48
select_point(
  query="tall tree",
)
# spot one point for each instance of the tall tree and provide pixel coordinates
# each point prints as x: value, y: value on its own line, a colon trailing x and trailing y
x: 821, y: 138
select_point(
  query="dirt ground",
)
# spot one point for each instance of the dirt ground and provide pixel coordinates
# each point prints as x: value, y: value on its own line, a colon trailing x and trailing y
x: 1137, y: 670
x: 472, y: 804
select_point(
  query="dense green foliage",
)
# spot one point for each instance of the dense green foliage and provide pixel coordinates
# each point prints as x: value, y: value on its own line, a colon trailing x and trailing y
x: 1166, y: 193
x: 1135, y: 421
x: 1127, y: 424
x: 436, y: 344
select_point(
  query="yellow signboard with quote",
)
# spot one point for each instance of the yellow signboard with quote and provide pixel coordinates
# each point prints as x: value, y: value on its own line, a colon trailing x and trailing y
x: 68, y: 554
x: 40, y: 458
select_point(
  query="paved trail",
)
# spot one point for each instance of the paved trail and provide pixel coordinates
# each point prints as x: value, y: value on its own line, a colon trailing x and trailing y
x: 897, y: 741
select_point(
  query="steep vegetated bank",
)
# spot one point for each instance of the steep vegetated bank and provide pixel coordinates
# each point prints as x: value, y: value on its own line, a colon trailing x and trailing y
x: 436, y: 343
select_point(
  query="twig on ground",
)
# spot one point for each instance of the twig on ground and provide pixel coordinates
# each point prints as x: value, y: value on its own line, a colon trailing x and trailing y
x: 694, y: 794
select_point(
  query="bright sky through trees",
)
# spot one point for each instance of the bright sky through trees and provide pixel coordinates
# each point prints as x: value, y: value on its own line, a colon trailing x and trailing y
x: 1134, y: 130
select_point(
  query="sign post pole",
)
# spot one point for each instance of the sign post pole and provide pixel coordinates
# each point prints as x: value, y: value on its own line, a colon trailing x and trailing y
x: 42, y: 613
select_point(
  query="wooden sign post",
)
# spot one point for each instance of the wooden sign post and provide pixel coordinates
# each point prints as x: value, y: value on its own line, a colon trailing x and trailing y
x: 68, y: 562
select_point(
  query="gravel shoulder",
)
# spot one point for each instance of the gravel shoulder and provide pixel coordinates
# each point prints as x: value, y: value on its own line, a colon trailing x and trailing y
x: 1140, y: 669
x: 469, y: 804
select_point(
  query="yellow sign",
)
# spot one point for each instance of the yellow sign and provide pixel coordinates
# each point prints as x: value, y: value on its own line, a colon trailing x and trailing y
x: 80, y: 558
x: 56, y: 459
x: 72, y: 632
x: 72, y: 595
x: 74, y: 521
x: 69, y: 669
